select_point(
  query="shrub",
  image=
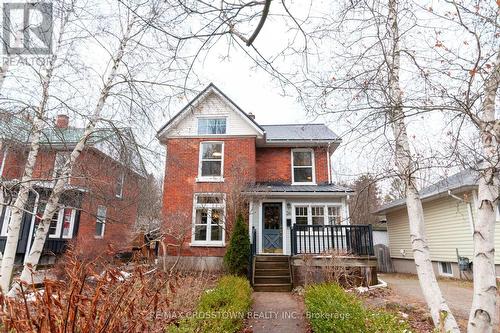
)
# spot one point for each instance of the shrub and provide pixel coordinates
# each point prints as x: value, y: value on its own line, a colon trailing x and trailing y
x: 221, y: 310
x: 238, y: 251
x: 331, y: 309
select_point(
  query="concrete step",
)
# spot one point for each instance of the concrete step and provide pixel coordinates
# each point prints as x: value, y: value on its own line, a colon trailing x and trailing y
x: 284, y: 279
x: 271, y: 265
x: 276, y: 287
x: 272, y: 272
x: 272, y: 258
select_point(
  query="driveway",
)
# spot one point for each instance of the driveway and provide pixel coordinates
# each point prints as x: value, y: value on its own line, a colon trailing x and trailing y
x: 458, y: 294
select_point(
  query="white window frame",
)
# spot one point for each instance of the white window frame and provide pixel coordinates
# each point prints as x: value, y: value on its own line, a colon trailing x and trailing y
x: 225, y: 117
x: 440, y: 268
x: 121, y: 183
x: 219, y: 206
x: 103, y: 222
x: 309, y: 206
x: 72, y: 223
x: 58, y: 225
x: 5, y: 224
x: 215, y: 179
x: 308, y: 150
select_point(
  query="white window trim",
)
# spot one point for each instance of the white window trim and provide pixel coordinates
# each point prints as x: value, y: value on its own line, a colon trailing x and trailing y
x: 313, y: 182
x: 103, y: 223
x: 72, y: 224
x: 58, y: 225
x: 218, y: 116
x: 121, y: 181
x: 440, y: 269
x: 210, y: 179
x: 220, y: 206
x: 5, y: 224
x: 325, y: 206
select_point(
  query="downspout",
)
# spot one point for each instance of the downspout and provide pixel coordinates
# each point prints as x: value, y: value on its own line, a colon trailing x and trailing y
x: 328, y: 163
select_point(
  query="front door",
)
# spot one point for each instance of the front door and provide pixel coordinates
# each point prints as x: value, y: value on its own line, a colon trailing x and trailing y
x: 272, y: 229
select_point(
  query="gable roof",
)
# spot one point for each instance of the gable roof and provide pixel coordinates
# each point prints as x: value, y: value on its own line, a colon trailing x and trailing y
x: 299, y: 132
x: 198, y: 99
x: 461, y: 180
x: 117, y: 143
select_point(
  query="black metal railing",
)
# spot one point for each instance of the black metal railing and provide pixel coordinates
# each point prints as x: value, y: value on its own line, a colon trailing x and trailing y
x: 253, y: 252
x: 339, y: 239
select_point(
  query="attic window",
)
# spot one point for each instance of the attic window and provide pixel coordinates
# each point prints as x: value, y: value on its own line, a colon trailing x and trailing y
x: 211, y: 126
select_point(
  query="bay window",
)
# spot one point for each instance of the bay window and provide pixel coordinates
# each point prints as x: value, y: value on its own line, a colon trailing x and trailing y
x: 211, y: 162
x: 303, y: 166
x: 208, y: 219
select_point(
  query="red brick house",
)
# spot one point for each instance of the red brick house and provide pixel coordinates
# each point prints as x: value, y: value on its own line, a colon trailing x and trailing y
x: 219, y: 157
x: 99, y: 207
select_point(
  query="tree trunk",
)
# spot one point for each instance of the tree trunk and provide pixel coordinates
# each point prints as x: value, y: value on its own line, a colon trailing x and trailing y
x: 483, y: 310
x: 440, y: 312
x: 9, y: 254
x: 58, y: 190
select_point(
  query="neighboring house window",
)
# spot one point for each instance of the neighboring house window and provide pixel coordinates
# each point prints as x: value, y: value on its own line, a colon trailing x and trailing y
x: 59, y: 162
x: 68, y: 222
x: 119, y: 185
x: 445, y: 268
x: 100, y: 223
x: 315, y: 214
x: 211, y: 161
x: 318, y: 215
x: 6, y: 213
x: 55, y: 225
x: 209, y: 216
x: 211, y: 125
x: 303, y: 166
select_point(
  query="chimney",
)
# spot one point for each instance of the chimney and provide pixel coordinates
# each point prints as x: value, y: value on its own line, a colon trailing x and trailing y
x: 251, y: 116
x: 62, y: 121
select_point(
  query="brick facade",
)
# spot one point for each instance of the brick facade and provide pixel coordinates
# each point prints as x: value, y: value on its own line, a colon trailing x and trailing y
x: 98, y: 175
x: 244, y: 164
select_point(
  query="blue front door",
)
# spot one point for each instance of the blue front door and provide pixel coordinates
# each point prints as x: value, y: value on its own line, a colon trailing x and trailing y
x: 272, y: 229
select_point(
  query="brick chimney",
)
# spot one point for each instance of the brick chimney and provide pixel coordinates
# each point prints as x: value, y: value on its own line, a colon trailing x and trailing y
x: 62, y: 121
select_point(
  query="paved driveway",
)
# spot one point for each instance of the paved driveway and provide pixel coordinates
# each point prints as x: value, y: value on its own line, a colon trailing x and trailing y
x: 458, y: 294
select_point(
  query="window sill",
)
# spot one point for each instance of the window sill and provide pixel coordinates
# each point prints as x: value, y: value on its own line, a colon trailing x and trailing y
x: 310, y: 183
x: 209, y: 180
x: 98, y: 237
x: 212, y: 244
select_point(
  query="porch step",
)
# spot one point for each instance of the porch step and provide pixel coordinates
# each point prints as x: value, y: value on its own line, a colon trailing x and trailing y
x: 278, y: 287
x: 272, y: 273
x: 271, y: 265
x: 270, y: 279
x: 276, y: 258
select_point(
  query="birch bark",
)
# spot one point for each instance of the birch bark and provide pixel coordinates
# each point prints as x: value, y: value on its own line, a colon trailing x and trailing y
x: 53, y: 201
x: 483, y: 310
x: 440, y: 312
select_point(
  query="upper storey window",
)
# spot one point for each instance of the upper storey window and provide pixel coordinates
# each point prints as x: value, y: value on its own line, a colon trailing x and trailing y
x: 211, y: 167
x: 211, y: 126
x: 303, y: 166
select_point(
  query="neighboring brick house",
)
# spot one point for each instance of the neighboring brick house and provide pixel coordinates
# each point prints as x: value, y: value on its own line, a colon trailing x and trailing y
x: 220, y: 160
x: 99, y: 206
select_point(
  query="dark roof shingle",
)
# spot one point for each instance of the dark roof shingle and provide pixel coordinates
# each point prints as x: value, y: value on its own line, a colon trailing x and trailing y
x: 299, y: 132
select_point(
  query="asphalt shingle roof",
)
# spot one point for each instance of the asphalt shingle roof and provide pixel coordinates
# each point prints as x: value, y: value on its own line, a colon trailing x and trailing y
x: 461, y: 179
x: 299, y: 132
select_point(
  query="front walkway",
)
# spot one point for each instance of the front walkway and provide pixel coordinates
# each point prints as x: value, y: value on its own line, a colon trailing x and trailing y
x: 277, y: 312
